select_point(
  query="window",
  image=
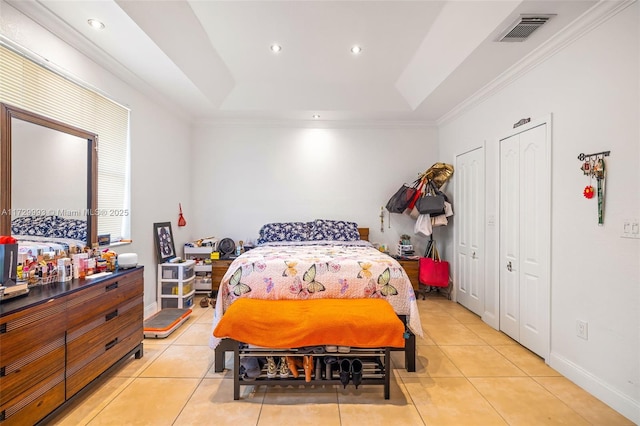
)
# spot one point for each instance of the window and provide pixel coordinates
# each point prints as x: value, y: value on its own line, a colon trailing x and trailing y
x: 28, y: 85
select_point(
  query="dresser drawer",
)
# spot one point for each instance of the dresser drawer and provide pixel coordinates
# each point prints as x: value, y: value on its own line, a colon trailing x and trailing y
x: 79, y: 378
x: 218, y: 269
x: 24, y: 374
x: 86, y: 343
x: 29, y: 330
x: 103, y: 298
x: 35, y: 405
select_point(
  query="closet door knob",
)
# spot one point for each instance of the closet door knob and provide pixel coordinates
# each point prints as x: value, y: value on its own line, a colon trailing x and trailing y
x: 509, y: 267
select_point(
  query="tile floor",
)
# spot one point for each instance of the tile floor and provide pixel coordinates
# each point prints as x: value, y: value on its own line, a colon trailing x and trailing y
x: 467, y: 374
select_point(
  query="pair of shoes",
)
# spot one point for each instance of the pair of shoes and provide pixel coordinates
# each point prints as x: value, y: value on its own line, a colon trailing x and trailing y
x: 311, y: 350
x: 350, y: 369
x: 294, y: 363
x: 204, y: 302
x: 307, y: 364
x: 251, y: 367
x: 272, y: 369
x: 341, y: 349
x: 284, y: 368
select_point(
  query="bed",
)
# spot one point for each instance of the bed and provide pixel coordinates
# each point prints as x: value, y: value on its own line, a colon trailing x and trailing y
x: 323, y: 259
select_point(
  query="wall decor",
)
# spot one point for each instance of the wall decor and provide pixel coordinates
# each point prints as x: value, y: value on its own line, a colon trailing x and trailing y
x: 181, y: 220
x: 163, y: 237
x: 593, y: 166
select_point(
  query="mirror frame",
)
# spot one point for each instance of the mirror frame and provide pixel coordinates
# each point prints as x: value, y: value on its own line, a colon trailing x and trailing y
x: 7, y: 112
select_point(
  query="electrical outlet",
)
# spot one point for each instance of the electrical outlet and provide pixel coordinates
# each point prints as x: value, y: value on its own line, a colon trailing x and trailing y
x: 582, y: 329
x: 631, y: 228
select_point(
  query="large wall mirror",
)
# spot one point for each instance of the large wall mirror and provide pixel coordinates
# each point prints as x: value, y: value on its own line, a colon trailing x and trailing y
x: 46, y: 168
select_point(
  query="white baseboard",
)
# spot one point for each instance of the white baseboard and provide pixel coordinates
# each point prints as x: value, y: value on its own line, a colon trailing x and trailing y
x: 620, y: 402
x: 150, y: 310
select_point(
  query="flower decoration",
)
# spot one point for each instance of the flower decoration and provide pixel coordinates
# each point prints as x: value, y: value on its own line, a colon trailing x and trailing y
x: 588, y: 192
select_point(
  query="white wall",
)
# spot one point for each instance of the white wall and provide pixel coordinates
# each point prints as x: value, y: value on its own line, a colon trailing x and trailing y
x: 591, y: 89
x: 160, y: 150
x: 247, y: 175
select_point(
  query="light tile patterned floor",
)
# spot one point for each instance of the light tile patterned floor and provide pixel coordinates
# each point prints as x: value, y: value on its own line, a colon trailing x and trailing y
x: 467, y: 374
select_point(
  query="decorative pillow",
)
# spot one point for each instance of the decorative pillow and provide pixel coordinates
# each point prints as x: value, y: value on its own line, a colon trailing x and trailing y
x: 71, y: 228
x: 38, y: 226
x: 333, y: 230
x: 284, y: 231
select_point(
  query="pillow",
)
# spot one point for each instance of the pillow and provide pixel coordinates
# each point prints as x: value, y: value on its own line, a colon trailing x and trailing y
x: 38, y: 226
x: 283, y: 231
x: 333, y: 230
x: 75, y: 229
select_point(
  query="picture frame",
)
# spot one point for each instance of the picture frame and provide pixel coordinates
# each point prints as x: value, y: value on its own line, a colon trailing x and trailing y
x: 163, y: 237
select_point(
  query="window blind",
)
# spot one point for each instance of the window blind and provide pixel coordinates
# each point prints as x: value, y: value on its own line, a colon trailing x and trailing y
x: 28, y: 85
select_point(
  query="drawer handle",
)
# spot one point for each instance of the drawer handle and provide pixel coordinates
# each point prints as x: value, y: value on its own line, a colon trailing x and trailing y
x: 111, y: 344
x: 3, y: 328
x: 111, y: 286
x: 3, y: 416
x: 111, y: 315
x: 3, y: 372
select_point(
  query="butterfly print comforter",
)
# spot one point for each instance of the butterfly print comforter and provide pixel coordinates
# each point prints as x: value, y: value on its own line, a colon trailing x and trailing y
x: 318, y: 271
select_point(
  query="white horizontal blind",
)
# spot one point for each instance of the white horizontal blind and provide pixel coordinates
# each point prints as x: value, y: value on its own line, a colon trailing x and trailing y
x: 30, y: 86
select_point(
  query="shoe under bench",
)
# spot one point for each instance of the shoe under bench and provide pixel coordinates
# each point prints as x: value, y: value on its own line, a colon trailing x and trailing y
x: 374, y: 372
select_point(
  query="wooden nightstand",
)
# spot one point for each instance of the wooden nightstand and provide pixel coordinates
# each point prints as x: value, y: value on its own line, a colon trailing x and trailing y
x: 218, y: 269
x: 411, y: 268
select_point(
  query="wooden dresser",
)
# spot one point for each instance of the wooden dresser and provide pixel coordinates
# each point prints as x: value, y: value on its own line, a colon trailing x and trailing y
x: 60, y: 337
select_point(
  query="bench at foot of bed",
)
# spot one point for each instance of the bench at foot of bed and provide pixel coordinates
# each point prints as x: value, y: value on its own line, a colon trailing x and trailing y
x: 358, y: 367
x: 298, y: 323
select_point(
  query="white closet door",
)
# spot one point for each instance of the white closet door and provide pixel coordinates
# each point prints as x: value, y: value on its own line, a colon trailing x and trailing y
x: 525, y: 238
x: 469, y: 219
x: 534, y: 241
x: 510, y: 236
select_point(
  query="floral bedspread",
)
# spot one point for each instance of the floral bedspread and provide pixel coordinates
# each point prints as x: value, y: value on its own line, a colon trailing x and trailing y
x: 318, y: 271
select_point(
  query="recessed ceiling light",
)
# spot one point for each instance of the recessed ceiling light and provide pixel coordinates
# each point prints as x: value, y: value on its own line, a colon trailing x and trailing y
x: 95, y: 24
x: 356, y: 50
x: 316, y: 116
x: 275, y: 48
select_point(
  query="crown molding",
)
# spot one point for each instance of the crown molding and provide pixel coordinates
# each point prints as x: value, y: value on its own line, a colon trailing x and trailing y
x: 590, y: 19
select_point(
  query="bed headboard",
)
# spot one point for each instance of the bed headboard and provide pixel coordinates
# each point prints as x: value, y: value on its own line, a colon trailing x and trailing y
x: 364, y: 233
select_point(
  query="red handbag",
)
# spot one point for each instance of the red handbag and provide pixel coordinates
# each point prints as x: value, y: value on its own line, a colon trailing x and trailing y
x: 432, y: 271
x: 415, y: 196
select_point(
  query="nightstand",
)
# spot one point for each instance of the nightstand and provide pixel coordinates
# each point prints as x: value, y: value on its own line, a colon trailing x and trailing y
x: 218, y: 269
x: 411, y: 267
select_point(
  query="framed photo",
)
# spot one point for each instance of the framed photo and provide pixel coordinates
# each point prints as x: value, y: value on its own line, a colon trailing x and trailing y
x: 165, y: 248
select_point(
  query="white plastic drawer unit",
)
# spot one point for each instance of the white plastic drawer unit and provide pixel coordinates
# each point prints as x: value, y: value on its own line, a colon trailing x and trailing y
x: 172, y: 272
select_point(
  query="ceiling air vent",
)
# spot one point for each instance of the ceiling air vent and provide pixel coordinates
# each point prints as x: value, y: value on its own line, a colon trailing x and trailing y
x: 523, y: 27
